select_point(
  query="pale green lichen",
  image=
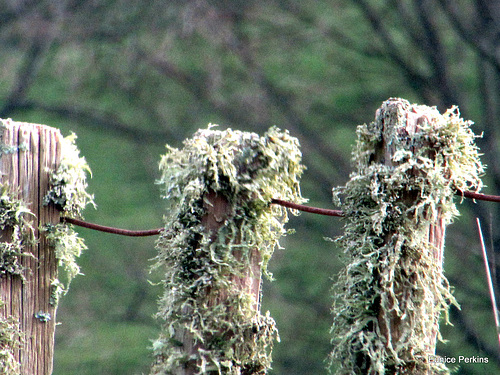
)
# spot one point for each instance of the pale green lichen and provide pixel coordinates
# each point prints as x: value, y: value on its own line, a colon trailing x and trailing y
x: 43, y: 317
x: 68, y: 192
x: 68, y: 184
x: 13, y: 212
x: 247, y: 170
x: 11, y: 338
x: 68, y: 246
x: 391, y: 271
x: 6, y: 149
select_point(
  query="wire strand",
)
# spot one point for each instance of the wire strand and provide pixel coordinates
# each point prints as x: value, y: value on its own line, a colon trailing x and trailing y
x: 102, y: 228
x: 490, y: 282
x: 294, y: 206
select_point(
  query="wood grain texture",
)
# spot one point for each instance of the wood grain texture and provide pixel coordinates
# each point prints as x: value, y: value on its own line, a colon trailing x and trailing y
x: 34, y: 151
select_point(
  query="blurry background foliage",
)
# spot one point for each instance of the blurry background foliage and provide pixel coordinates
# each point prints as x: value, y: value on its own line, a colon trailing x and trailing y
x: 129, y: 76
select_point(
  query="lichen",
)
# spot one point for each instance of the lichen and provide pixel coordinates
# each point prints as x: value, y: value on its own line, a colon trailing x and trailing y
x: 13, y: 212
x: 68, y: 192
x: 6, y: 149
x: 230, y: 337
x: 391, y: 271
x: 43, y: 317
x: 68, y: 246
x: 11, y: 338
x: 68, y: 184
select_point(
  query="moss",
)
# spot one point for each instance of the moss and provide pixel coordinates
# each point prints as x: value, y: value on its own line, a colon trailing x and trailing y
x: 246, y: 170
x: 13, y: 220
x: 392, y: 272
x: 68, y: 192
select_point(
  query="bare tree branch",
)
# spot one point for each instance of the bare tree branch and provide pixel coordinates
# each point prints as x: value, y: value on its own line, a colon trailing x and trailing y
x: 282, y: 100
x: 435, y: 53
x: 101, y: 121
x: 25, y: 76
x: 415, y: 79
x: 197, y: 87
x: 472, y: 337
x: 335, y: 34
x: 475, y: 39
x: 10, y: 14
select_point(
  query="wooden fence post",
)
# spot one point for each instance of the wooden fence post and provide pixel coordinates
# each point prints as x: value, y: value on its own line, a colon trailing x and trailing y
x: 41, y: 176
x: 220, y: 232
x: 28, y: 154
x: 410, y: 161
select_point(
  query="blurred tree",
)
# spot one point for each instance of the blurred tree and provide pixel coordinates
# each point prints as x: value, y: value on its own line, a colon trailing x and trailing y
x: 129, y: 76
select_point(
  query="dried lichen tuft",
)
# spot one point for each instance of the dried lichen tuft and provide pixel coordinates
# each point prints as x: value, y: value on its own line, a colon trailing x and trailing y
x: 68, y: 191
x: 13, y: 221
x: 388, y: 299
x: 11, y: 337
x: 68, y: 184
x: 229, y: 336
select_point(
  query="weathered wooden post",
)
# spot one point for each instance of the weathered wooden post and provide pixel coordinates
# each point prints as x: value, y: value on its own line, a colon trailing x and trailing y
x: 410, y: 161
x: 32, y: 242
x: 29, y: 153
x: 220, y: 233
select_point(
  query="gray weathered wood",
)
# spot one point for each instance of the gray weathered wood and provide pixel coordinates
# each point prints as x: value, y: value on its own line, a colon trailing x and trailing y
x: 33, y: 151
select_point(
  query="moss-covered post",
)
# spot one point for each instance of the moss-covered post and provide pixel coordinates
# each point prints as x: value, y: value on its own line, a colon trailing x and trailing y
x: 410, y: 161
x: 30, y: 253
x: 220, y: 233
